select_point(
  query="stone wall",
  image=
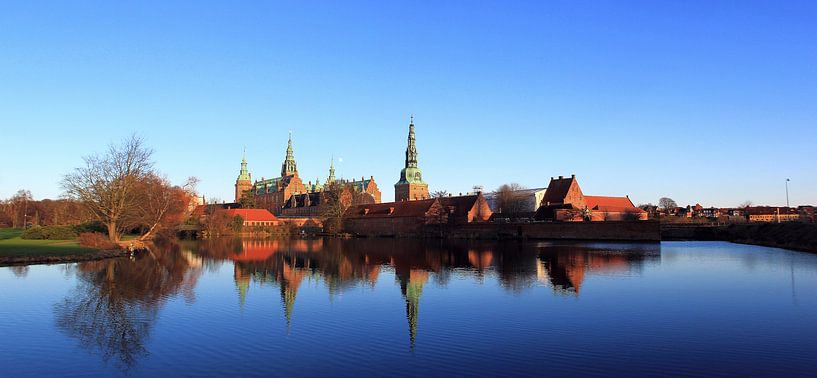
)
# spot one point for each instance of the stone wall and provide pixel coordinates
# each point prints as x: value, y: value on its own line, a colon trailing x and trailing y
x: 416, y: 227
x: 397, y: 227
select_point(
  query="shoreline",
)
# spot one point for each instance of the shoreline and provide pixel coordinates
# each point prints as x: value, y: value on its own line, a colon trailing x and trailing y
x: 801, y: 237
x: 62, y: 259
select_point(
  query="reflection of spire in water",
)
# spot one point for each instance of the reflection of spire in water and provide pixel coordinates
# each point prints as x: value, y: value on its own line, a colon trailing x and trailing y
x: 290, y: 282
x: 412, y: 288
x: 242, y: 282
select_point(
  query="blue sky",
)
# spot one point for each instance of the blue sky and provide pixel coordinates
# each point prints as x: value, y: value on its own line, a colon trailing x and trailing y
x: 702, y: 101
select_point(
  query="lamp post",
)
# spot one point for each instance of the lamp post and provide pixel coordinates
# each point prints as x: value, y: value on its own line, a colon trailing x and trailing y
x: 787, y: 192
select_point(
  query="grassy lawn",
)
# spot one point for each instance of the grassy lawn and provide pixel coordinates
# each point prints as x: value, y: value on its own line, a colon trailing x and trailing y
x: 12, y: 245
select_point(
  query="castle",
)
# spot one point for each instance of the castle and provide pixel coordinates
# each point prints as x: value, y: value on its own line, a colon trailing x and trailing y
x: 289, y: 195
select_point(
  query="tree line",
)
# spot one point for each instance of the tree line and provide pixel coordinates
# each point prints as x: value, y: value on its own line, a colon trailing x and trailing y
x: 119, y: 188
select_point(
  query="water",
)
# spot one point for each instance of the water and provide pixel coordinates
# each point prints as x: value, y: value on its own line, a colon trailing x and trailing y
x: 402, y: 307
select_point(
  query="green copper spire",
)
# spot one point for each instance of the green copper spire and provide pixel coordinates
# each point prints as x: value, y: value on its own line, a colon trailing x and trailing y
x: 411, y: 174
x: 411, y: 150
x: 244, y: 174
x: 289, y: 167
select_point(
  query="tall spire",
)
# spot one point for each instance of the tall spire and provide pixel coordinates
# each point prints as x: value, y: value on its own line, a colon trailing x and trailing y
x: 411, y: 186
x: 289, y: 167
x: 244, y: 174
x: 411, y: 150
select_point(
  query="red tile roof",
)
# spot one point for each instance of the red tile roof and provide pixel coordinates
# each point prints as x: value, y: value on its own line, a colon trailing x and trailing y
x: 252, y: 215
x: 611, y: 204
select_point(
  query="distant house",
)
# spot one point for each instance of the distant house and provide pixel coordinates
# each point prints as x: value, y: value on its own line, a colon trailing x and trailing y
x: 710, y: 212
x: 771, y: 214
x: 564, y: 201
x: 253, y: 217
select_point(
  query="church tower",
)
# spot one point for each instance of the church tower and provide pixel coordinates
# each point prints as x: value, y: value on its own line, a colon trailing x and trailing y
x: 411, y: 186
x: 244, y: 181
x: 289, y: 168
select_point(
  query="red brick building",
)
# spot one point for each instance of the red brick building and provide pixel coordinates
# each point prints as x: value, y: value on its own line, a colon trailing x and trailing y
x: 408, y: 218
x: 564, y: 201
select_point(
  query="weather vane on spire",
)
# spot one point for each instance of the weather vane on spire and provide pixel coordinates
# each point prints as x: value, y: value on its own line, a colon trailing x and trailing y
x: 412, y: 118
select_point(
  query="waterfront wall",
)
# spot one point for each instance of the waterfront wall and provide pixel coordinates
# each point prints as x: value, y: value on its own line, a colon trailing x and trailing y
x: 409, y: 227
x: 790, y: 235
x: 623, y: 230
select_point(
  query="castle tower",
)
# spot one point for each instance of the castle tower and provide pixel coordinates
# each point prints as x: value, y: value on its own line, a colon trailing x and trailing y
x: 244, y: 181
x: 411, y: 186
x: 289, y: 168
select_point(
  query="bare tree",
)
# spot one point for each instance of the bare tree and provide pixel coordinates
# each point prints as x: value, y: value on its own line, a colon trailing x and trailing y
x: 745, y: 204
x: 510, y: 200
x: 440, y: 194
x: 159, y: 205
x: 667, y: 204
x: 107, y: 183
x: 336, y: 199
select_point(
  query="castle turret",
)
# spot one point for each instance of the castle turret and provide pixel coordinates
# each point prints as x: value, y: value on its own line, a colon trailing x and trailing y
x: 411, y: 186
x: 244, y: 181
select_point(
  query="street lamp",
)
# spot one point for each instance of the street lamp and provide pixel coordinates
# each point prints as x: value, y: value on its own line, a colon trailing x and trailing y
x: 787, y: 192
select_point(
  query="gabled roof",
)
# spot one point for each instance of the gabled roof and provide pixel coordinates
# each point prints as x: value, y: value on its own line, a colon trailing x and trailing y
x: 252, y: 215
x: 392, y: 209
x: 611, y: 204
x: 558, y: 188
x: 462, y: 204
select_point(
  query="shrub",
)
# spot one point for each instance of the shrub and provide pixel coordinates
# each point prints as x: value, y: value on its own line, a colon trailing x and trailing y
x: 95, y: 240
x: 50, y: 233
x: 95, y: 226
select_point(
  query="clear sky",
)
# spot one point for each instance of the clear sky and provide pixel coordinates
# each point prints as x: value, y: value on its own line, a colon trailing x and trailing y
x: 702, y: 101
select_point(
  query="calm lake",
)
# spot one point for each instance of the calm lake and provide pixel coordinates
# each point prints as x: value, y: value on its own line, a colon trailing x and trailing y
x: 405, y: 307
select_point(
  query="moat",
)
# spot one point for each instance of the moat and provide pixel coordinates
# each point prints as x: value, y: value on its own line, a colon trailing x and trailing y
x: 408, y: 307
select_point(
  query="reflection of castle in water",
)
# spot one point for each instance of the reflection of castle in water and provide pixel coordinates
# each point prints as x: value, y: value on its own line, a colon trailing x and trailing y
x: 564, y: 267
x: 343, y: 264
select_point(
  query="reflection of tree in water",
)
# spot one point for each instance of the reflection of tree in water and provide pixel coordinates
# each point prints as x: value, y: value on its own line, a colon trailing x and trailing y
x: 116, y: 302
x: 19, y: 271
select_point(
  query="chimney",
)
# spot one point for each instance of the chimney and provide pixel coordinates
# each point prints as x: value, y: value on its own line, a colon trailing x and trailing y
x: 561, y: 177
x: 573, y: 176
